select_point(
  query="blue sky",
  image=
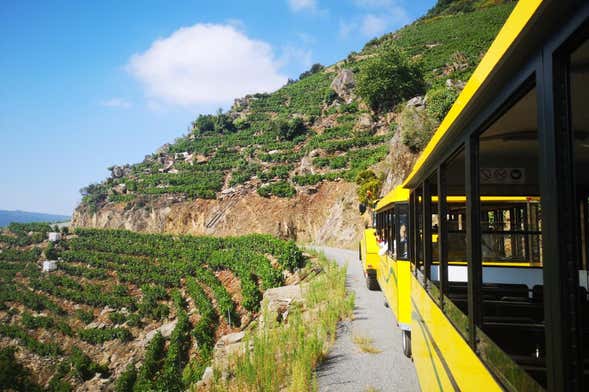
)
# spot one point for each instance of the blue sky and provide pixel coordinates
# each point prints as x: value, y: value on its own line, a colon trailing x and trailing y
x: 85, y: 85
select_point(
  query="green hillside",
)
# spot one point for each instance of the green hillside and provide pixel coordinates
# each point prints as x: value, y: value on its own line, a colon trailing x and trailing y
x: 305, y: 133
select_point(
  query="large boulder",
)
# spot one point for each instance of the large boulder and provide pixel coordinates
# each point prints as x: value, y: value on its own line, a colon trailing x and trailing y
x: 417, y: 102
x: 165, y: 330
x: 120, y: 171
x: 365, y: 122
x: 344, y: 84
x: 457, y: 85
x: 278, y: 301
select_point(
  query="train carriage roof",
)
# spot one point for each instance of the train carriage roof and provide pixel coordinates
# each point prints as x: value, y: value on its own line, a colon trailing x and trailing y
x: 399, y: 194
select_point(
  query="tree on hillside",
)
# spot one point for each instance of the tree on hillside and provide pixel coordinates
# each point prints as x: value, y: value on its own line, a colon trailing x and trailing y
x: 386, y: 80
x: 289, y: 129
x: 219, y: 123
x: 369, y: 186
x: 313, y: 70
x: 451, y: 7
x: 204, y: 123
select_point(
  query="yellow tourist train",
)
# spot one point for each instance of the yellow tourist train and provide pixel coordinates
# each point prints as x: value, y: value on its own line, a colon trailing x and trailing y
x: 483, y: 253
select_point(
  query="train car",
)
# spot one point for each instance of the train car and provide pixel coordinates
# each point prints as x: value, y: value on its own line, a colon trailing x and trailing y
x: 498, y: 283
x: 505, y: 248
x: 393, y: 273
x: 369, y: 258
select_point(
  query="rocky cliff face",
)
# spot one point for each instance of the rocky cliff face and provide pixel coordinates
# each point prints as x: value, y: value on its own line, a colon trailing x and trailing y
x: 326, y: 214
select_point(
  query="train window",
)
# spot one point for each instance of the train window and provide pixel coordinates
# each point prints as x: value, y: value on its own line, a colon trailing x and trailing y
x: 431, y: 240
x: 455, y: 304
x: 402, y: 231
x: 391, y: 231
x: 511, y: 335
x: 579, y: 116
x: 419, y: 228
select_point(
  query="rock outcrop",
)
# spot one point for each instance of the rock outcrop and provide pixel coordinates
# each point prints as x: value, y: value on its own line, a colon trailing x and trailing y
x: 327, y: 215
x: 344, y: 84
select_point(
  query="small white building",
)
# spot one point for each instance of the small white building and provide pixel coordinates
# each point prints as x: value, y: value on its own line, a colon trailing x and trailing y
x: 54, y: 236
x: 49, y: 265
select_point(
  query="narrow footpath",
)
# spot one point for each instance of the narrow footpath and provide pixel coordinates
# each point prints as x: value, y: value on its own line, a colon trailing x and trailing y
x: 347, y: 367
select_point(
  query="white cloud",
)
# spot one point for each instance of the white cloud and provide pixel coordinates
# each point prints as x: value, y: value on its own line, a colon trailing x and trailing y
x: 302, y: 5
x: 116, y: 103
x: 206, y: 64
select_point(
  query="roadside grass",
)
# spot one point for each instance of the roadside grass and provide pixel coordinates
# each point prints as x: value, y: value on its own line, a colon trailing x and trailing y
x: 364, y: 343
x: 283, y: 356
x: 371, y: 389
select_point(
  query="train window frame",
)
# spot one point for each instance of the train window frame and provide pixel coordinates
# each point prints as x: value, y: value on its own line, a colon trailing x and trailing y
x: 429, y: 209
x: 494, y: 355
x: 560, y: 218
x: 457, y: 317
x: 402, y: 209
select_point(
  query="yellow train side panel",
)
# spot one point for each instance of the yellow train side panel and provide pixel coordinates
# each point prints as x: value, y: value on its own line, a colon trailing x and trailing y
x: 443, y: 359
x: 404, y: 294
x: 387, y: 279
x: 369, y: 251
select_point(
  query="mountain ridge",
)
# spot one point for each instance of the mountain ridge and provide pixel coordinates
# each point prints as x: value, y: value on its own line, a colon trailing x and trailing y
x: 18, y: 216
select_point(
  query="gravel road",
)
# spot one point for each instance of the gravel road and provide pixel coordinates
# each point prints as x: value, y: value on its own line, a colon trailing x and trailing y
x: 347, y: 368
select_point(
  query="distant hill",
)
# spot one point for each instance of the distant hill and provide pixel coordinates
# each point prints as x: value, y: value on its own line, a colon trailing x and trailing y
x: 7, y: 217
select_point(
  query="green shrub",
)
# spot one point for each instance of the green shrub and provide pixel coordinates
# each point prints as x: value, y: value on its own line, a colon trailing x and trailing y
x: 289, y: 129
x: 14, y: 376
x: 417, y: 128
x: 85, y: 317
x: 308, y: 179
x: 117, y: 317
x: 280, y: 189
x: 127, y: 379
x: 444, y: 7
x: 313, y: 70
x: 282, y: 172
x: 83, y: 367
x: 204, y: 123
x: 439, y: 102
x: 134, y: 320
x: 389, y: 78
x: 291, y: 257
x: 97, y: 336
x: 369, y: 186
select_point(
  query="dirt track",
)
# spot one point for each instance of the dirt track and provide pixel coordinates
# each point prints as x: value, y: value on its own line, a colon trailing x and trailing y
x: 347, y: 368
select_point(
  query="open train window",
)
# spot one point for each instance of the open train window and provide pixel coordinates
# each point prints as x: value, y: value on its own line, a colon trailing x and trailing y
x: 391, y: 231
x: 402, y: 231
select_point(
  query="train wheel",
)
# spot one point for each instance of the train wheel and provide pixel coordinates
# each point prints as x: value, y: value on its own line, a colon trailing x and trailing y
x: 406, y: 335
x: 371, y: 283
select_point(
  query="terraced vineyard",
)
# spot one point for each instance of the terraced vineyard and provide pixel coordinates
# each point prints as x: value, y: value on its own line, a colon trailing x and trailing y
x: 142, y: 311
